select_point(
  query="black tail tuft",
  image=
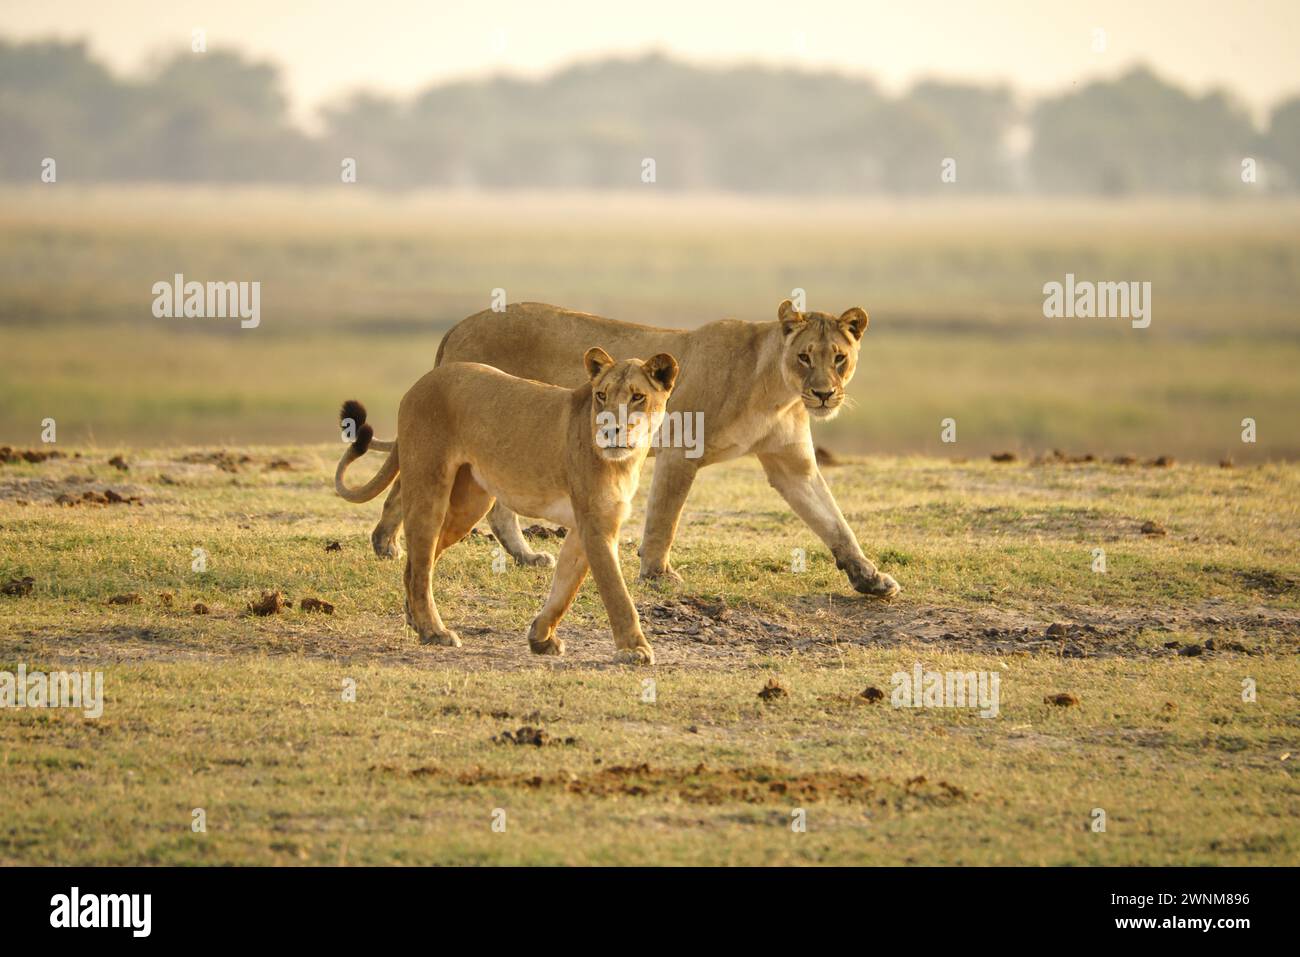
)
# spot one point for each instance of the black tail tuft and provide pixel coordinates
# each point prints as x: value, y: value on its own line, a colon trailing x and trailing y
x: 354, y: 410
x: 364, y: 435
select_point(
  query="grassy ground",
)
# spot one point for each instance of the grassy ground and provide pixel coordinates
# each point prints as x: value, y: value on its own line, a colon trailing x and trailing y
x: 357, y: 287
x: 245, y: 717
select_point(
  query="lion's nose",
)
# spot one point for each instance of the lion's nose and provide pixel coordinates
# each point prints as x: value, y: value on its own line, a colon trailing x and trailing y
x: 824, y: 396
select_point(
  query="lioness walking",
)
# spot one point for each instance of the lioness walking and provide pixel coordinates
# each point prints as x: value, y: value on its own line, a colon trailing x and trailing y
x: 468, y: 433
x: 758, y: 385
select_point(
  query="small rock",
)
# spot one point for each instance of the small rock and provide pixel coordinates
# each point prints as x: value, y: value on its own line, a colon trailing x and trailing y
x: 1191, y: 651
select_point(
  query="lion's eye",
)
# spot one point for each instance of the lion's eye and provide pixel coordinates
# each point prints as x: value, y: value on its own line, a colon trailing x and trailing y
x: 600, y: 397
x: 803, y: 357
x: 840, y: 358
x: 637, y: 397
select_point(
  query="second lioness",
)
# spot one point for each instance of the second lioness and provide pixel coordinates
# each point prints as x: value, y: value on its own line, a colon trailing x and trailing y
x: 756, y: 385
x: 468, y: 433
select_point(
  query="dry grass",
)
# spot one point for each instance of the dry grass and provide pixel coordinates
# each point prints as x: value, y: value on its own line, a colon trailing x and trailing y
x: 246, y: 717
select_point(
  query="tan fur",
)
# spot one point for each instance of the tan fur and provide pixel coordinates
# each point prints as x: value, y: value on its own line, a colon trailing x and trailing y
x: 468, y: 434
x: 756, y: 393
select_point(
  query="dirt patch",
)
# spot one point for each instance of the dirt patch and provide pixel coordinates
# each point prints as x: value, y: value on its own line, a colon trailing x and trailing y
x: 10, y: 455
x: 698, y: 633
x: 705, y: 785
x: 226, y: 461
x: 1267, y: 581
x: 70, y: 490
x: 92, y: 497
x: 1094, y: 631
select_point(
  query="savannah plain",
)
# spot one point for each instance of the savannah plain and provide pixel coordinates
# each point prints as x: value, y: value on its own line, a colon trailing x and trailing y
x: 1123, y: 690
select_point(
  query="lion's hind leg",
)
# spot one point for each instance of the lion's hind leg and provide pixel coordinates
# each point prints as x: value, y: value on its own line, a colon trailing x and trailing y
x: 469, y: 503
x: 385, y: 539
x: 505, y: 525
x: 426, y: 501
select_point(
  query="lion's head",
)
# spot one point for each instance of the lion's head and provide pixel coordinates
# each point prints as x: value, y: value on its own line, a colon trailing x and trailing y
x: 628, y: 399
x: 820, y: 355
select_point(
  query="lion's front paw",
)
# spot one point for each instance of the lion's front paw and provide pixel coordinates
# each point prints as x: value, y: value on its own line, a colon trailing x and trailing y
x: 882, y: 587
x: 543, y: 642
x: 641, y: 654
x: 551, y: 646
x: 866, y: 579
x: 445, y: 637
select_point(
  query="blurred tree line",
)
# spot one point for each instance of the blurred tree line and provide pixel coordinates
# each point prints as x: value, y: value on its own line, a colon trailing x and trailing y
x: 219, y: 117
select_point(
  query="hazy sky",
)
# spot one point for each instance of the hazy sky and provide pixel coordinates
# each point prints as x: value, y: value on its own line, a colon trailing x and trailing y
x: 326, y: 47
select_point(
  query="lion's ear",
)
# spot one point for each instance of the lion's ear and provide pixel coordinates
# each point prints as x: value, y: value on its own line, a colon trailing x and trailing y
x: 597, y: 360
x: 790, y: 319
x: 856, y: 321
x: 662, y: 369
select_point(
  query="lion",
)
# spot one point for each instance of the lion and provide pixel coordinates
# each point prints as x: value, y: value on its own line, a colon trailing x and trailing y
x: 469, y: 434
x: 758, y: 385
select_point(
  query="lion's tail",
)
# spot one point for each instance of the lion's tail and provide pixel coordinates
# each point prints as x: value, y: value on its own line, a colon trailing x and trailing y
x: 365, y: 441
